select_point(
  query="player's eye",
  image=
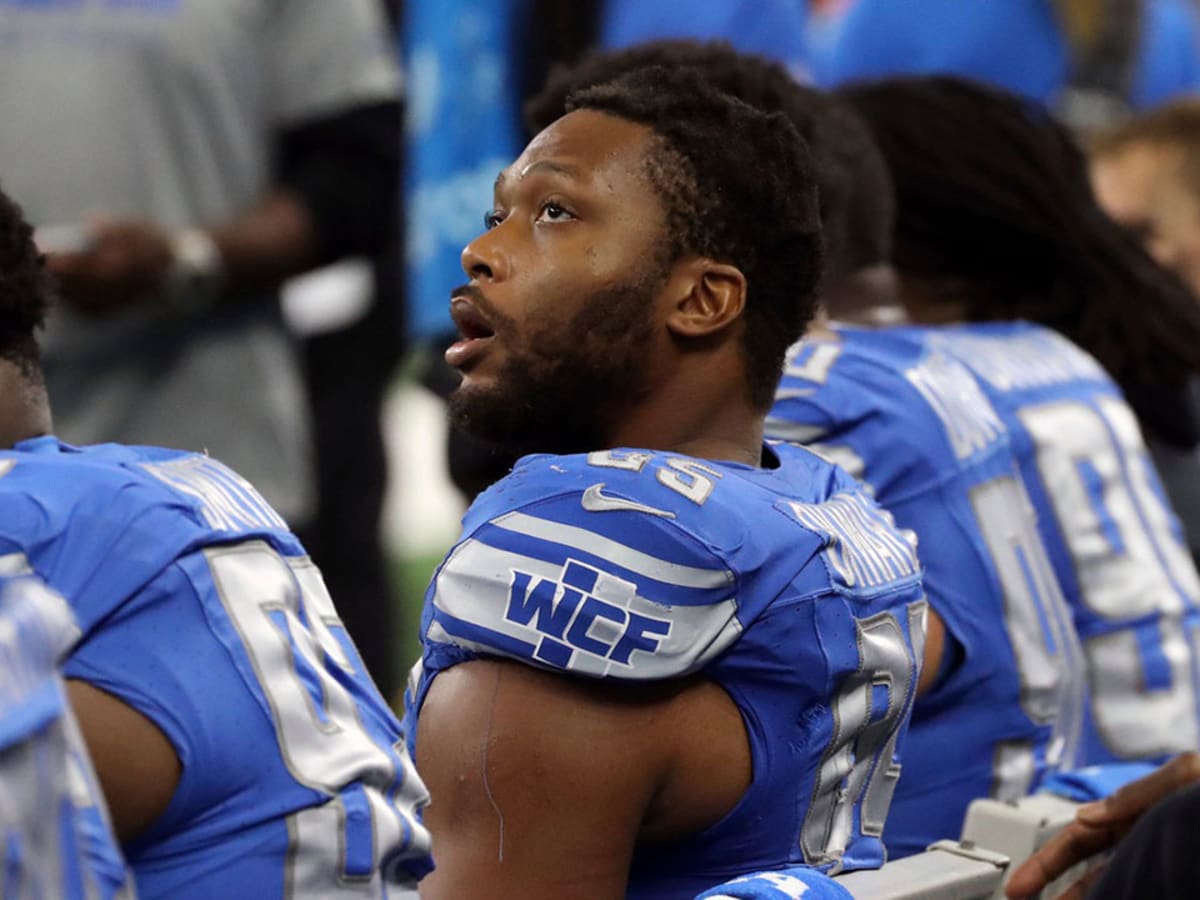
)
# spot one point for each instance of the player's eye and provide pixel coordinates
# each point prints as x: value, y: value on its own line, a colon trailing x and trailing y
x: 554, y: 212
x: 492, y: 218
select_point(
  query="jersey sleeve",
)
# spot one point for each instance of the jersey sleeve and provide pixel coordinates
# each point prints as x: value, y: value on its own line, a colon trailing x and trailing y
x: 324, y: 57
x: 149, y: 654
x: 607, y: 580
x: 96, y: 546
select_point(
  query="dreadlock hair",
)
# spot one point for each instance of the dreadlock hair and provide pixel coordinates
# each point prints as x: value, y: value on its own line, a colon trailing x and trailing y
x: 26, y: 290
x: 1174, y: 128
x: 853, y: 184
x: 995, y: 206
x: 737, y: 186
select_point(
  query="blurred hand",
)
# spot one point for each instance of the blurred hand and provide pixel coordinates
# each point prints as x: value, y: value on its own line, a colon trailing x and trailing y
x: 126, y: 260
x: 1098, y: 826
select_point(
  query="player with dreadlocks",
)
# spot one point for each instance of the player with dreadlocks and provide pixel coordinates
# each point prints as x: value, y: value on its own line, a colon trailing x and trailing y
x: 1146, y: 174
x: 998, y: 229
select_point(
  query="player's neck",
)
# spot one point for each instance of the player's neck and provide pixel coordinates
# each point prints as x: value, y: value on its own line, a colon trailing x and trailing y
x: 869, y: 296
x: 933, y: 303
x: 703, y: 416
x: 24, y: 409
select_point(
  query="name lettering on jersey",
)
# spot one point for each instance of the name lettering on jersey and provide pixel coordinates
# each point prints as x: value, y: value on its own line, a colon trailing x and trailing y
x: 1018, y: 362
x: 584, y: 610
x: 227, y: 501
x: 970, y: 422
x: 864, y: 547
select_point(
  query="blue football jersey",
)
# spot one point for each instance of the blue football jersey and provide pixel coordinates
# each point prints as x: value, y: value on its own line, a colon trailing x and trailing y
x: 1112, y: 536
x: 198, y: 609
x: 786, y: 586
x: 913, y: 423
x: 55, y: 837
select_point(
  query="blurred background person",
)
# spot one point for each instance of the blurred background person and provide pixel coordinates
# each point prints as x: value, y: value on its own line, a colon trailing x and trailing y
x: 181, y: 159
x: 999, y: 232
x: 350, y: 351
x: 1146, y: 174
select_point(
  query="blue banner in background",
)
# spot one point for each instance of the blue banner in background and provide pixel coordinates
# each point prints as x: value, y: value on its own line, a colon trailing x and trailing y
x: 774, y: 28
x: 463, y: 128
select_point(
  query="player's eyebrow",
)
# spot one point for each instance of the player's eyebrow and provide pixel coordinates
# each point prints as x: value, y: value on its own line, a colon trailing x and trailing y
x: 541, y: 165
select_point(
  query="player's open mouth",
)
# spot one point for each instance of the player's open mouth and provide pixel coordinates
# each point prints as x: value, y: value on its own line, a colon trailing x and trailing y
x: 476, y: 333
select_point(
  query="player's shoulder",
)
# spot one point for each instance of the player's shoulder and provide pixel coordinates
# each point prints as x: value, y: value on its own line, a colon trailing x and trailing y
x: 636, y: 564
x: 858, y: 374
x: 1022, y: 356
x: 890, y: 394
x: 117, y: 483
x: 701, y: 508
x: 848, y: 357
x: 863, y: 550
x: 63, y: 474
x: 591, y: 564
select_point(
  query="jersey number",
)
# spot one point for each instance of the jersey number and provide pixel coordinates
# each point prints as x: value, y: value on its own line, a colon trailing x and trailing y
x: 1134, y: 575
x: 859, y: 766
x: 690, y: 479
x: 284, y: 616
x: 1038, y: 623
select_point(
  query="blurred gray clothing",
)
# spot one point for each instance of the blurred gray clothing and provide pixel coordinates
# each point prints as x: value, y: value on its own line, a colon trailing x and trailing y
x: 168, y: 109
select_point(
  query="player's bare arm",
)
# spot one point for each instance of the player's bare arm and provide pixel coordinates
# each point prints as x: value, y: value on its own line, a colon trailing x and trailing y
x: 935, y: 644
x: 136, y: 764
x: 544, y: 785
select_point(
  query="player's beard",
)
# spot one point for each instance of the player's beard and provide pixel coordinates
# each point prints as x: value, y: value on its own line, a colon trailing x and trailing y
x: 561, y: 389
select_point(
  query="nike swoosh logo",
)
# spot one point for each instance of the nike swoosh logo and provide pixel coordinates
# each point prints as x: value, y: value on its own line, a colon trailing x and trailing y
x: 594, y: 500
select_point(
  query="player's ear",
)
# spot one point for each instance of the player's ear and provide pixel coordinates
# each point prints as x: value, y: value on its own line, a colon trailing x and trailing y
x: 706, y: 297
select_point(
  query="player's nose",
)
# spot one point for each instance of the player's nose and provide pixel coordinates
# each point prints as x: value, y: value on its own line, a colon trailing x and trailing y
x: 485, y: 259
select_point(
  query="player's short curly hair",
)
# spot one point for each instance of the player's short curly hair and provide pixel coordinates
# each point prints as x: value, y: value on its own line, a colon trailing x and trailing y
x: 855, y: 188
x: 738, y: 186
x: 26, y: 289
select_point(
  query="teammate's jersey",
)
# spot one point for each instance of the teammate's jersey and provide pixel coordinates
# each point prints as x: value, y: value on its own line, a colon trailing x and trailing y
x: 786, y: 586
x: 55, y: 837
x: 200, y: 610
x: 914, y: 424
x: 1112, y: 536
